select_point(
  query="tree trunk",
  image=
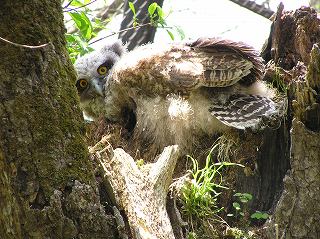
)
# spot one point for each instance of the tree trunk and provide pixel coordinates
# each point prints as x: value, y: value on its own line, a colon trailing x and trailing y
x: 141, y: 35
x: 47, y: 188
x: 293, y: 46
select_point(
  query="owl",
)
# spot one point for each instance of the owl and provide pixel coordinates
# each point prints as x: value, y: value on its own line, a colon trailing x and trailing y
x: 178, y: 92
x: 92, y: 70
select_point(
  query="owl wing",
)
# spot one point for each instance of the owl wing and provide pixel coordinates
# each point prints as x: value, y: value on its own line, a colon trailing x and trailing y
x: 225, y: 63
x: 209, y: 62
x: 246, y: 111
x: 213, y: 62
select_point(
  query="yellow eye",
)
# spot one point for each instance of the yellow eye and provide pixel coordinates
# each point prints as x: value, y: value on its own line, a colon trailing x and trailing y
x: 83, y: 83
x: 102, y: 70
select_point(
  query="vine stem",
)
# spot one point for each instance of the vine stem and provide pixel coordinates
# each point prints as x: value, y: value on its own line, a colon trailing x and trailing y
x: 23, y: 45
x: 127, y: 29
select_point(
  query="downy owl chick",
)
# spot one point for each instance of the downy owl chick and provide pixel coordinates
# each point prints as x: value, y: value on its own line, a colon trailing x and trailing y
x: 92, y: 70
x: 179, y: 92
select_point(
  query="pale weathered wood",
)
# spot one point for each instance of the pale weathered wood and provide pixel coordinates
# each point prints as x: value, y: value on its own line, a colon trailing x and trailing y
x: 141, y: 192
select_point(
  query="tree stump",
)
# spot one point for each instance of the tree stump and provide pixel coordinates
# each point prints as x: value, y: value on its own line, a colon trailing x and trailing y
x: 293, y: 45
x: 141, y: 193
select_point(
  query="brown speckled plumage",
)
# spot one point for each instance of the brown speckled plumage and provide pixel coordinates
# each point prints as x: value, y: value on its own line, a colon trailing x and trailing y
x: 179, y: 93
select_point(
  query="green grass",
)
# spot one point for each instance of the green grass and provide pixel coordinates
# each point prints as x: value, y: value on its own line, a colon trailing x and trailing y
x: 201, y: 194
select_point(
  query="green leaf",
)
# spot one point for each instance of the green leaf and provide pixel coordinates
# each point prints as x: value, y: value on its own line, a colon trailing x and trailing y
x: 77, y: 40
x: 83, y: 23
x: 70, y: 38
x: 160, y: 12
x: 76, y: 3
x: 152, y: 8
x: 243, y: 197
x: 256, y: 215
x: 246, y: 197
x: 171, y: 35
x: 236, y: 206
x: 259, y: 215
x: 131, y: 6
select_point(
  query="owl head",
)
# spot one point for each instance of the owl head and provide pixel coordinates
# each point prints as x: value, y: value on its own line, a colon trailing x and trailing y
x: 92, y: 70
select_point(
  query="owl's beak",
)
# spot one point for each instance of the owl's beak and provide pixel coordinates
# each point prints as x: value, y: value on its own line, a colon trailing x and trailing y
x: 97, y: 86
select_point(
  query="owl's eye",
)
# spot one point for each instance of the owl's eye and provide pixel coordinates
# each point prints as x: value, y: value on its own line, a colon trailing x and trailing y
x: 102, y: 70
x: 83, y: 83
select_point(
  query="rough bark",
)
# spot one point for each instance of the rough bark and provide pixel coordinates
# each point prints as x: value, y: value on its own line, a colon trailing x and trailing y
x: 47, y: 188
x: 296, y: 215
x: 293, y: 36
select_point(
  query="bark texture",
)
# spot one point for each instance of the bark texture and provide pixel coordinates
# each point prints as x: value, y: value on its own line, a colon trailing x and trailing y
x: 141, y: 35
x: 294, y: 48
x: 297, y: 213
x: 47, y: 185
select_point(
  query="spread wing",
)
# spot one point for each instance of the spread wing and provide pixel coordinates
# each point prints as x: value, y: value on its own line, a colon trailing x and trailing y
x: 228, y: 62
x: 212, y: 63
x: 209, y: 62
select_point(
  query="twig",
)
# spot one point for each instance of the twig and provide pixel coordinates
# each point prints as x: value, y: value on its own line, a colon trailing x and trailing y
x: 68, y: 4
x: 254, y: 7
x: 22, y: 45
x: 127, y: 29
x: 73, y: 9
x: 114, y: 33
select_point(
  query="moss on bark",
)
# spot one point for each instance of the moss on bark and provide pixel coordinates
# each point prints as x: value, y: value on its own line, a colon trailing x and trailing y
x: 43, y: 150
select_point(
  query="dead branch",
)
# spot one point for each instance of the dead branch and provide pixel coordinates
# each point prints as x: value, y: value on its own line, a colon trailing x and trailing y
x: 141, y: 192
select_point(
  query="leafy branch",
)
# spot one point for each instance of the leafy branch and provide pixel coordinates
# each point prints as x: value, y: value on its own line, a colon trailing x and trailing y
x: 124, y: 30
x: 79, y: 42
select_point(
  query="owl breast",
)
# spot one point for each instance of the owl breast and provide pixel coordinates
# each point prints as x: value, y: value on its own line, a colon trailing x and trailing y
x: 174, y: 120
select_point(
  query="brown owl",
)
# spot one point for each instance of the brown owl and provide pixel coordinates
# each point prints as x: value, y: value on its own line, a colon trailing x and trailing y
x: 178, y: 93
